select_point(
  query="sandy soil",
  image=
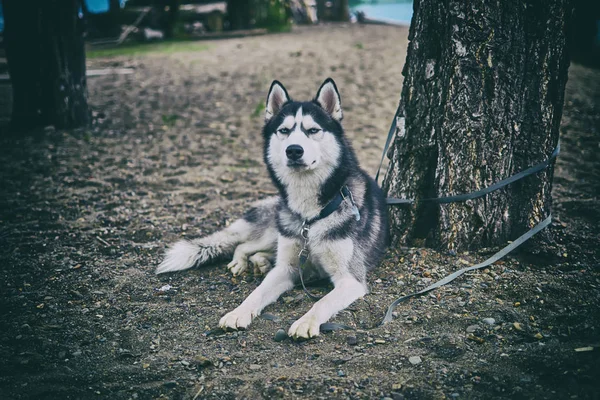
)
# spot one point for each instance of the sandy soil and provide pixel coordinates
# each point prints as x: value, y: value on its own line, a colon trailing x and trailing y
x: 175, y: 151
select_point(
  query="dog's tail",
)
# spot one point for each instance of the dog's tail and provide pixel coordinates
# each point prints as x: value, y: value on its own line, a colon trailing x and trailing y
x: 186, y: 254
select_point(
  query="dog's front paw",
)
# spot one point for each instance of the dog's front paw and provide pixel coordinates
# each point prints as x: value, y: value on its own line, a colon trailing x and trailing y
x: 305, y: 328
x: 238, y: 265
x: 236, y: 319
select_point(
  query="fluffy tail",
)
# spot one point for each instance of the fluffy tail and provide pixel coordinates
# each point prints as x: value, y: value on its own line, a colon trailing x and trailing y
x: 187, y: 254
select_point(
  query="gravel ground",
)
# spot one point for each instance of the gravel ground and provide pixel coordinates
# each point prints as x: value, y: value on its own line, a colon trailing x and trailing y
x: 175, y: 151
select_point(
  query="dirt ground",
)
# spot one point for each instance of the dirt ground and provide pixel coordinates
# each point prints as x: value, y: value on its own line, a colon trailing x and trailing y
x: 175, y: 151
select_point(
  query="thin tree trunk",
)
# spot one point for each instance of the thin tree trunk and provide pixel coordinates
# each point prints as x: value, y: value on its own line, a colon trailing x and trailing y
x: 46, y: 58
x: 22, y: 47
x: 482, y: 100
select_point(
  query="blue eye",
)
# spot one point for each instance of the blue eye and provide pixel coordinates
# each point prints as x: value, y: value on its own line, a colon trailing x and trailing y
x: 312, y: 131
x: 284, y: 131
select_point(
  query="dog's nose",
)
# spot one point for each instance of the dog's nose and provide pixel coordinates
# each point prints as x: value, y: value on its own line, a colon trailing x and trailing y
x: 294, y: 152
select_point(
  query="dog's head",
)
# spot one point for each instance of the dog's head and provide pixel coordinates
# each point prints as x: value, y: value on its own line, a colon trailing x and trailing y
x: 303, y: 138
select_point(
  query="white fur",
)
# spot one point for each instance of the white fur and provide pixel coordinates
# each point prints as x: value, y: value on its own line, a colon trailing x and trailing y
x: 187, y: 254
x: 346, y: 291
x: 321, y: 155
x: 182, y: 255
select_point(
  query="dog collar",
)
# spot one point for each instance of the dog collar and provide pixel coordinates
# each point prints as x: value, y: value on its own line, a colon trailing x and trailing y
x: 344, y: 193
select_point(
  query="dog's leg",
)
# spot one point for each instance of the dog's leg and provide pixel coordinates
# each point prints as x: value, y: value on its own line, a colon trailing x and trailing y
x: 265, y: 243
x: 334, y: 257
x: 347, y: 290
x: 278, y: 281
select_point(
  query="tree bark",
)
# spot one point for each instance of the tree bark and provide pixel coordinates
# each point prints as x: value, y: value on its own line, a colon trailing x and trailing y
x: 482, y: 100
x: 46, y: 59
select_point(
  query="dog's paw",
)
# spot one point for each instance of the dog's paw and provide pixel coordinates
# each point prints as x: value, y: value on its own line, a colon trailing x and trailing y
x: 305, y: 328
x: 238, y: 265
x: 236, y: 319
x: 260, y: 263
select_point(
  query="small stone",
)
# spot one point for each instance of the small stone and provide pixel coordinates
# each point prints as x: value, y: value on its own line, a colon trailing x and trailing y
x: 414, y: 360
x: 396, y: 386
x: 280, y: 335
x: 517, y: 326
x: 201, y: 362
x: 489, y: 321
x: 352, y: 340
x: 379, y: 341
x: 255, y: 367
x: 185, y: 363
x: 341, y: 373
x: 517, y: 304
x: 476, y: 339
x: 472, y: 328
x: 538, y: 336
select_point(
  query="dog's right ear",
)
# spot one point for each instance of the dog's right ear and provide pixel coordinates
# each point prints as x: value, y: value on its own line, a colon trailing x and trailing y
x: 277, y: 97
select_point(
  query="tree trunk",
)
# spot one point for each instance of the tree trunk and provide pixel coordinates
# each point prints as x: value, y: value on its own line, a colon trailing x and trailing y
x: 238, y: 14
x: 46, y: 59
x: 482, y: 100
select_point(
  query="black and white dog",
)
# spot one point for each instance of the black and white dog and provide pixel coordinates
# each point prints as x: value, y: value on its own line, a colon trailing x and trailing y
x: 329, y: 213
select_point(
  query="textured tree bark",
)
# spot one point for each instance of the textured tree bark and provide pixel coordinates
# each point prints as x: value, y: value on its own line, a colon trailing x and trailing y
x: 482, y: 100
x: 46, y: 59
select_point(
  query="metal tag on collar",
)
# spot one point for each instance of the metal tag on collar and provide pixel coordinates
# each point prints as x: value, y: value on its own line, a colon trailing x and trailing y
x: 353, y: 207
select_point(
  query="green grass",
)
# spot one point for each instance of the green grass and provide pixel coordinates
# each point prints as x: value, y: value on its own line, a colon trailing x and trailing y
x: 259, y: 110
x: 167, y: 47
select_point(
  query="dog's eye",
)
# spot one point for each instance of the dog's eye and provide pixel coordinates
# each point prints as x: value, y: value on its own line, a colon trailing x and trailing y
x: 284, y: 131
x: 312, y: 131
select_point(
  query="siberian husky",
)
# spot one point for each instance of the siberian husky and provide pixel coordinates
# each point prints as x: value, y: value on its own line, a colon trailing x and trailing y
x: 329, y: 213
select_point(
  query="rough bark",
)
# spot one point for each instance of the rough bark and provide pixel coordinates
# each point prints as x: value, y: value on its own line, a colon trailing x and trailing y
x: 46, y: 60
x: 482, y: 100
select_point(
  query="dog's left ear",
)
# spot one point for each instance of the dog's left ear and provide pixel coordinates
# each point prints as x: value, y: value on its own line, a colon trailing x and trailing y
x: 328, y: 98
x: 277, y: 97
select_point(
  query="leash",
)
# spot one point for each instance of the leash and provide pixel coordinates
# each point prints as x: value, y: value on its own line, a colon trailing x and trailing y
x: 522, y: 239
x: 480, y: 193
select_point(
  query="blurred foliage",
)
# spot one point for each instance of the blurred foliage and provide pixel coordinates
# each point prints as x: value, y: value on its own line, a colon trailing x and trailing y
x: 259, y: 110
x: 272, y: 15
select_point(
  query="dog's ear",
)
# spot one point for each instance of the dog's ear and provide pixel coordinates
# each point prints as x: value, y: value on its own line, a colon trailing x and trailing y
x: 277, y: 97
x: 328, y: 98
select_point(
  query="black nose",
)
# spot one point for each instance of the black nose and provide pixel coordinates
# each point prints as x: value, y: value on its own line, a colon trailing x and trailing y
x: 294, y: 152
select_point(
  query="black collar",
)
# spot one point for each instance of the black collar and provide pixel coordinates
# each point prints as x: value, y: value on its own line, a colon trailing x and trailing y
x: 333, y: 205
